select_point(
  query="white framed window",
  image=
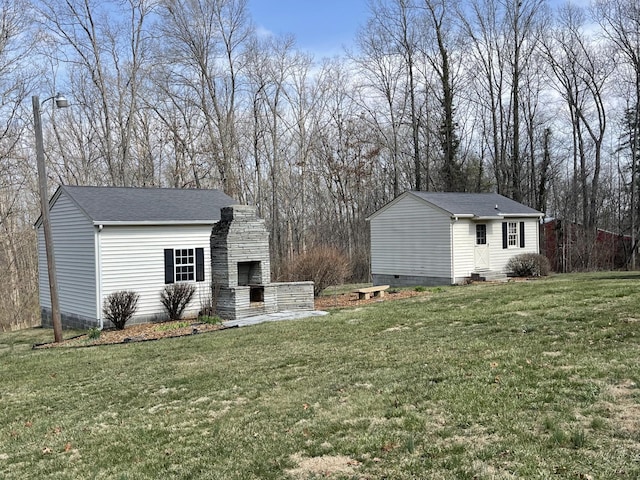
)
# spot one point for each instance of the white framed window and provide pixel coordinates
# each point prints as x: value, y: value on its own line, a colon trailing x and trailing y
x: 481, y: 234
x: 183, y: 265
x: 512, y: 234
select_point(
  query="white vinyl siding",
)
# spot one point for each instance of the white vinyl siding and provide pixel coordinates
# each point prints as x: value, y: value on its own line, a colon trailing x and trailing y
x: 464, y: 244
x: 500, y: 256
x: 409, y: 238
x: 74, y: 247
x: 133, y: 259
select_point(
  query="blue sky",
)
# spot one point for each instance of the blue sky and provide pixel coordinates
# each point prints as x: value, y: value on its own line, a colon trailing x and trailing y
x: 321, y: 27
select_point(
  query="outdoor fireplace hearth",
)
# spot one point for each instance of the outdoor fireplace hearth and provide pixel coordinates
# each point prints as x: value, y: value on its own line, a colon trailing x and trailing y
x: 256, y: 294
x: 240, y: 264
x: 241, y: 269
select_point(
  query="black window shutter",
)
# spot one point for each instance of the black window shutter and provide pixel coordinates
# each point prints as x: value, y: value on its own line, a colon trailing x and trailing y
x: 199, y: 264
x: 521, y: 234
x: 505, y: 240
x: 168, y: 265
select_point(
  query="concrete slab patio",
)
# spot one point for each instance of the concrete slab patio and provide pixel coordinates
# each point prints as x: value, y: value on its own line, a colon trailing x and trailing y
x: 273, y: 317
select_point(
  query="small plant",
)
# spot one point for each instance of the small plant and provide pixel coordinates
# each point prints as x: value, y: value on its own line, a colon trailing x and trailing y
x: 94, y: 333
x: 420, y: 288
x: 577, y: 438
x: 119, y: 307
x: 410, y: 444
x: 172, y: 326
x: 175, y: 298
x: 598, y: 424
x: 529, y: 265
x: 558, y: 437
x: 210, y: 319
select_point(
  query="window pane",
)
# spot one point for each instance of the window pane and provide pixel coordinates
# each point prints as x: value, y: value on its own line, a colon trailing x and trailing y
x: 513, y: 234
x: 184, y: 264
x: 481, y: 234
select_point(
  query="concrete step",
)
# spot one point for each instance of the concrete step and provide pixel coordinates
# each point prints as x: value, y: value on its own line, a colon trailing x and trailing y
x: 488, y: 276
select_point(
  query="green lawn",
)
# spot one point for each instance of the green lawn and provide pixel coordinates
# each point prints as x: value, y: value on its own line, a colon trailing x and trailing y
x: 532, y: 380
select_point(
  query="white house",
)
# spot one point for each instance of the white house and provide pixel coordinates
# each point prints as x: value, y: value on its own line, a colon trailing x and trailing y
x: 424, y: 238
x: 109, y: 238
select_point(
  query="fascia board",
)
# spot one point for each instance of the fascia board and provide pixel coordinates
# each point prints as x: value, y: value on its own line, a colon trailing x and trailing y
x: 112, y: 223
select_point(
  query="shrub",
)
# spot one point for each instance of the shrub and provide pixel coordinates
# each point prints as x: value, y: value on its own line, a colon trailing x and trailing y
x: 324, y: 266
x: 94, y: 333
x: 119, y: 307
x: 175, y: 298
x: 529, y: 265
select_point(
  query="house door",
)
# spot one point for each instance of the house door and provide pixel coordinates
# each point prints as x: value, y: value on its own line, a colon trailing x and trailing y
x: 481, y: 252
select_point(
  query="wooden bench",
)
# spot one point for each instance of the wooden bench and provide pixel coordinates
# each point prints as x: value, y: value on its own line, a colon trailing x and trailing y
x: 376, y: 291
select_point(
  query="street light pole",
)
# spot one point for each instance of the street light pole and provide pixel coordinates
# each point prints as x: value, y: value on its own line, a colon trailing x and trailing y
x: 46, y: 221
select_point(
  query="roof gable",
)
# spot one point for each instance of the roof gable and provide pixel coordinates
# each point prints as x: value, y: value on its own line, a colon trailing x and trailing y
x: 147, y: 205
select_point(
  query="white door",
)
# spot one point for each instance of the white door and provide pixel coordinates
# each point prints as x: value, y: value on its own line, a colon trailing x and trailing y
x: 481, y: 252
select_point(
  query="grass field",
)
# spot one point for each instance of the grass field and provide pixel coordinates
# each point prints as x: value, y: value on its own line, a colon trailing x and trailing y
x: 535, y: 380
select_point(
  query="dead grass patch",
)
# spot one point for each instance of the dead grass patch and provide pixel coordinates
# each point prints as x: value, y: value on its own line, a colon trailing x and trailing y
x: 625, y: 412
x: 325, y: 465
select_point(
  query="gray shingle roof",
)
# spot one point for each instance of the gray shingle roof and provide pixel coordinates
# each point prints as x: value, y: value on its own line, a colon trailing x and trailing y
x: 144, y: 205
x: 477, y: 204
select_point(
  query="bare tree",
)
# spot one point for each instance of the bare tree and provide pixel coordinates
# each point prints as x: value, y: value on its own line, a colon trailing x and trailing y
x: 18, y: 290
x: 443, y: 58
x: 580, y: 72
x: 104, y: 46
x: 503, y: 36
x: 384, y: 99
x: 397, y: 22
x: 203, y: 52
x: 620, y: 23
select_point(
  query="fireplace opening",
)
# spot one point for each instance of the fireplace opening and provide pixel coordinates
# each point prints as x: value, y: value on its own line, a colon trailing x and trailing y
x: 256, y: 293
x: 249, y: 273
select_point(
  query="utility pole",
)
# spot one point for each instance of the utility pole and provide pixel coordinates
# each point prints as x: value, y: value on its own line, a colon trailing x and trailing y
x: 46, y: 221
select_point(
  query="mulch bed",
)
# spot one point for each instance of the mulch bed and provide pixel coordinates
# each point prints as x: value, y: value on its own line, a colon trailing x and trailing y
x: 156, y: 331
x: 138, y: 333
x: 351, y: 299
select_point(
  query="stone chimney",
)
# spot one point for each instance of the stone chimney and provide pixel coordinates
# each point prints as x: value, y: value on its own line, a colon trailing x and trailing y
x: 240, y: 264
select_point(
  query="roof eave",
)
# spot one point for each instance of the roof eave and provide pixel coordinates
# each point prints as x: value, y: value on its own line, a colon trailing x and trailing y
x: 488, y: 217
x: 520, y: 215
x: 500, y: 216
x: 114, y: 223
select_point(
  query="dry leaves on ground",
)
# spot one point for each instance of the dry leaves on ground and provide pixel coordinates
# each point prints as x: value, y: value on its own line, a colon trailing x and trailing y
x: 138, y: 333
x: 350, y: 299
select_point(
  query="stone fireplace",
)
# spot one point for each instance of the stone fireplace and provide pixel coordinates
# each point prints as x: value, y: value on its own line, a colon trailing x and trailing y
x: 241, y: 269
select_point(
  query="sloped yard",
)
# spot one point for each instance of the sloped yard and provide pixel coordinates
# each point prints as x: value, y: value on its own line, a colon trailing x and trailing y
x: 524, y: 380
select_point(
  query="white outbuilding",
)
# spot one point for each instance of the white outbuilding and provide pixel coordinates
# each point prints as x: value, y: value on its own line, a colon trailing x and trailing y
x: 428, y: 238
x: 108, y: 239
